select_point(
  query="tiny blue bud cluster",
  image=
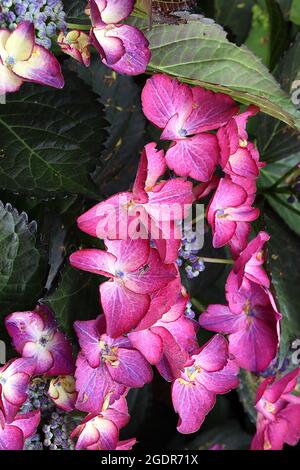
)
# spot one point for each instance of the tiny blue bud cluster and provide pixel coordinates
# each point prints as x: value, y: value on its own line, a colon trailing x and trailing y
x: 48, y: 17
x: 189, y: 257
x: 189, y: 312
x: 54, y: 430
x: 57, y: 431
x: 277, y: 366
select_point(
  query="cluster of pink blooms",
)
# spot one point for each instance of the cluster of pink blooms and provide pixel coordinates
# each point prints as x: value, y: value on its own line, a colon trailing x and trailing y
x: 143, y: 322
x: 44, y: 351
x: 122, y: 47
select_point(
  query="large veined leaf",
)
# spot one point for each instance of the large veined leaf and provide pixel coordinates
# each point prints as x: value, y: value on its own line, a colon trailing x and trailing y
x: 22, y: 264
x: 199, y: 52
x: 76, y: 297
x: 121, y: 98
x: 50, y: 139
x: 284, y: 260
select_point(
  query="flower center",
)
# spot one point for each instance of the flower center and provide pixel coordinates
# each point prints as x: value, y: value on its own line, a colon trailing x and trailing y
x: 270, y: 407
x: 44, y: 340
x: 243, y: 143
x: 183, y: 132
x: 109, y: 353
x: 2, y: 380
x: 120, y: 274
x: 220, y: 213
x: 10, y: 61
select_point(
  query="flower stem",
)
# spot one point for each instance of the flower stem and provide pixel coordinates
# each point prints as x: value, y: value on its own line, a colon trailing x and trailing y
x: 198, y: 304
x: 81, y: 27
x: 284, y: 177
x: 217, y: 260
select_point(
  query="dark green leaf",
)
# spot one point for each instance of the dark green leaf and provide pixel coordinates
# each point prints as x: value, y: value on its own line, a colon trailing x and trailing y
x: 247, y: 392
x: 50, y: 140
x: 290, y: 213
x: 75, y: 298
x: 230, y: 436
x: 284, y: 261
x: 121, y: 98
x: 22, y: 263
x: 279, y: 32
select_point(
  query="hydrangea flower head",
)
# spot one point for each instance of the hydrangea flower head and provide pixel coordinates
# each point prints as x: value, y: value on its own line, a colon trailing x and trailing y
x: 168, y: 343
x: 153, y: 204
x: 186, y: 115
x: 122, y: 47
x: 278, y: 418
x: 239, y: 157
x: 250, y: 319
x: 14, y: 381
x: 36, y: 337
x: 250, y: 261
x: 208, y: 373
x: 135, y: 271
x: 101, y: 431
x: 21, y: 60
x: 14, y: 434
x: 228, y: 207
x: 106, y: 366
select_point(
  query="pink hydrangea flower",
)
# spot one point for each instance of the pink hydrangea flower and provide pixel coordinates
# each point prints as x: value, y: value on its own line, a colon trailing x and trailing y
x: 22, y: 60
x: 250, y: 261
x: 278, y: 418
x: 62, y: 390
x: 228, y: 207
x: 107, y: 366
x: 14, y: 381
x: 152, y: 209
x: 239, y: 157
x: 135, y: 271
x: 250, y: 319
x: 101, y: 431
x: 208, y: 373
x: 13, y: 434
x: 122, y: 47
x: 36, y: 337
x: 240, y: 239
x: 186, y: 114
x: 77, y: 45
x: 168, y: 343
